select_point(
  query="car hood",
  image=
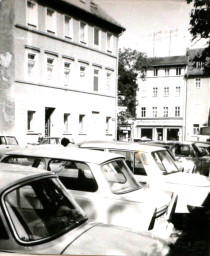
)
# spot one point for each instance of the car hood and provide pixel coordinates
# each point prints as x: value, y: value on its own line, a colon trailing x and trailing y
x: 112, y: 240
x: 187, y: 179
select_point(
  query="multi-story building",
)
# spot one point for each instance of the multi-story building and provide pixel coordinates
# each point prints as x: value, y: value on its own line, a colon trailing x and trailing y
x: 197, y: 100
x: 58, y: 69
x: 161, y: 97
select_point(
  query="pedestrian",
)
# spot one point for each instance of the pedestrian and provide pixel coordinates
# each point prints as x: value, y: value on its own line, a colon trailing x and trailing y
x: 67, y: 143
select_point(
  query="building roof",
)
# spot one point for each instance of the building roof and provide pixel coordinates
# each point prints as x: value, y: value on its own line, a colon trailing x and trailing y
x: 90, y: 7
x: 168, y: 61
x: 193, y: 69
x: 67, y: 153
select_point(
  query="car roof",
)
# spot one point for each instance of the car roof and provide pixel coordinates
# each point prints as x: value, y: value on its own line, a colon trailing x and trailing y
x: 11, y: 174
x: 75, y: 154
x: 131, y: 146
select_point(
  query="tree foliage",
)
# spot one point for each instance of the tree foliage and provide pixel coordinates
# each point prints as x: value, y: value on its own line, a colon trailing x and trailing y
x: 200, y: 29
x: 130, y: 61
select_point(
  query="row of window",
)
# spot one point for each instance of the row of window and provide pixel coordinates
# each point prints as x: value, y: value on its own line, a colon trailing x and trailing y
x: 67, y: 124
x: 156, y: 72
x: 68, y: 26
x: 68, y: 72
x: 166, y: 91
x: 165, y: 111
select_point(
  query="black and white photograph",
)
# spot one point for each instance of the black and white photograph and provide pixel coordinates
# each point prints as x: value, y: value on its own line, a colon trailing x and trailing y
x: 105, y: 127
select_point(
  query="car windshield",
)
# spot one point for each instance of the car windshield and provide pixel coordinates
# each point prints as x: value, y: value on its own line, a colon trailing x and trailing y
x: 119, y: 177
x: 11, y: 140
x: 164, y: 162
x: 204, y: 149
x: 42, y: 209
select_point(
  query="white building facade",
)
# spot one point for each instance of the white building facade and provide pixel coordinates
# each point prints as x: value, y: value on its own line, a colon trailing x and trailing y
x: 61, y: 70
x: 161, y: 100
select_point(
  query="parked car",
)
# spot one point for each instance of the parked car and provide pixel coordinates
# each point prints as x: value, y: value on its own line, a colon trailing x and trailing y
x: 50, y: 140
x: 38, y: 216
x: 7, y: 143
x: 196, y: 152
x: 103, y: 185
x: 153, y: 166
x: 184, y: 164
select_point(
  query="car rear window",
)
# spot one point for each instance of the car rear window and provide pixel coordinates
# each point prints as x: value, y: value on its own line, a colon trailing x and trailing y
x: 74, y: 175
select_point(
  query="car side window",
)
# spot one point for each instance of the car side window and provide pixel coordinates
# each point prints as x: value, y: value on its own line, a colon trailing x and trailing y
x: 139, y: 168
x: 74, y: 175
x: 183, y: 150
x: 2, y: 140
x: 26, y: 161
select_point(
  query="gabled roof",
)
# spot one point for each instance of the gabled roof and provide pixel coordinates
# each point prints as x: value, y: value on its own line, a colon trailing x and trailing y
x: 168, y: 61
x: 94, y: 9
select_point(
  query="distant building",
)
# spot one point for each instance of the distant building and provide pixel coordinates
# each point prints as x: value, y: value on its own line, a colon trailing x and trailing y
x: 58, y: 69
x: 161, y: 97
x: 197, y: 100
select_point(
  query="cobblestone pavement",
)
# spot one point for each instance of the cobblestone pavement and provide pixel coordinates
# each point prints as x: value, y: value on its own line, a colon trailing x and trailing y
x: 192, y: 235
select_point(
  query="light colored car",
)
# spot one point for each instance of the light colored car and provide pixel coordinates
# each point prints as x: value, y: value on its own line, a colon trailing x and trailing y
x: 103, y: 185
x: 196, y: 152
x: 7, y: 143
x: 154, y: 167
x: 38, y: 216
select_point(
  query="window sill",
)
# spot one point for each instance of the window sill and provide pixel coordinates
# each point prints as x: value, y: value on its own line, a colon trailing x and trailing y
x: 51, y: 32
x: 31, y: 25
x: 83, y: 42
x: 108, y: 134
x: 82, y: 133
x: 69, y: 37
x: 67, y: 133
x: 109, y: 51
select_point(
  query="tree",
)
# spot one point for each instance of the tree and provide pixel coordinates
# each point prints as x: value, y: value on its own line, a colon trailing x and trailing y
x: 200, y: 29
x: 130, y: 61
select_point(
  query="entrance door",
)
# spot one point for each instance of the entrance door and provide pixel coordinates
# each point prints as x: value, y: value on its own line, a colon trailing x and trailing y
x: 48, y: 114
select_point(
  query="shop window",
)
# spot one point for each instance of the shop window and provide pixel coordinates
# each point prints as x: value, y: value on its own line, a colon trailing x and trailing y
x: 155, y: 72
x: 196, y: 129
x: 167, y: 71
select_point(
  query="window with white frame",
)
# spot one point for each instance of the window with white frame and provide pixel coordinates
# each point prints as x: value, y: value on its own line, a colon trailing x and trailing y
x: 30, y: 120
x: 68, y: 27
x: 155, y: 91
x: 178, y: 90
x: 198, y: 83
x: 83, y: 74
x: 66, y: 72
x: 96, y: 74
x: 154, y: 111
x: 109, y: 81
x: 31, y: 65
x: 165, y: 111
x: 196, y: 129
x: 143, y: 111
x: 177, y: 111
x: 178, y: 71
x: 83, y: 33
x: 167, y: 71
x: 81, y: 123
x: 109, y: 42
x: 51, y: 68
x: 51, y: 21
x: 155, y: 72
x: 31, y: 14
x: 97, y: 35
x: 166, y: 91
x: 108, y: 121
x: 66, y: 119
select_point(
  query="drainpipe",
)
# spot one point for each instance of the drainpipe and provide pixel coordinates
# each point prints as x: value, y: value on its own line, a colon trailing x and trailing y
x: 116, y: 90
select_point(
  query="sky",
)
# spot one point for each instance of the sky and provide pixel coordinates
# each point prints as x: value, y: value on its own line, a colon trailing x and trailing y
x: 156, y: 27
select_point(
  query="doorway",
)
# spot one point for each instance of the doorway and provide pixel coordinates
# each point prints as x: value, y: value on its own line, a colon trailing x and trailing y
x: 48, y: 114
